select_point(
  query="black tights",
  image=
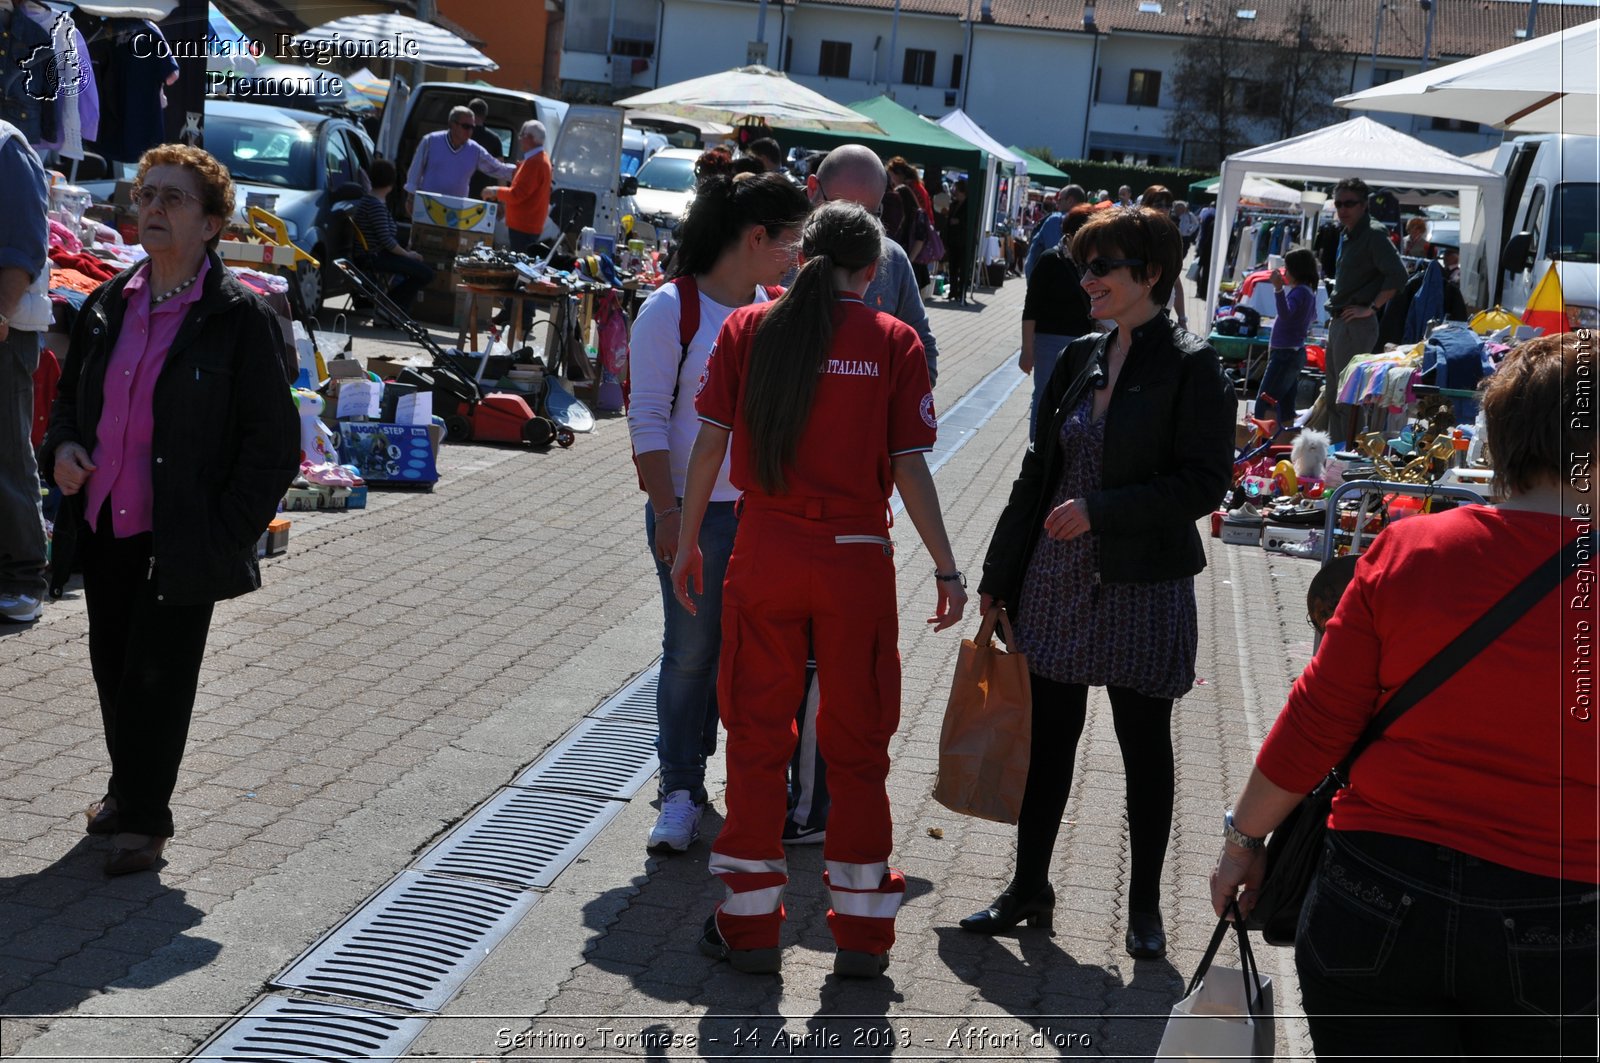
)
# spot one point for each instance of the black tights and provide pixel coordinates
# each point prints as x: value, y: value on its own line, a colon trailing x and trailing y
x: 1144, y: 733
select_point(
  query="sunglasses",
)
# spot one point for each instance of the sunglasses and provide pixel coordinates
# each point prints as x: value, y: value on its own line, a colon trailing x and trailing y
x: 465, y: 125
x: 1346, y: 204
x: 170, y: 196
x: 1102, y: 266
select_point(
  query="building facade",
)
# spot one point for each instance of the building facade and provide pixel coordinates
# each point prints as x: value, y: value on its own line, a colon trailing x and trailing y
x: 1084, y: 78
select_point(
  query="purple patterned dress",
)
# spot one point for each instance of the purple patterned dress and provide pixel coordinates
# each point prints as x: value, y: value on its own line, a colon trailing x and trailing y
x: 1076, y: 629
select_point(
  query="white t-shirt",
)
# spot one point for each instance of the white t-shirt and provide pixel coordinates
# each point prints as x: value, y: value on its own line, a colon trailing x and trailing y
x: 653, y: 355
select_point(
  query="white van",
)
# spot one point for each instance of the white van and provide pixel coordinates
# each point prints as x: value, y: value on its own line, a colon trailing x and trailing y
x: 585, y: 145
x: 1552, y: 214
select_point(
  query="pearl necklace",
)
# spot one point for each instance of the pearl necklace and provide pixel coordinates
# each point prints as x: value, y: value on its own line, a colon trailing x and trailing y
x: 157, y: 300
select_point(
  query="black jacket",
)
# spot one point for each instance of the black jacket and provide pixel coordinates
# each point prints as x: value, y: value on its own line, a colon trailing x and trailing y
x: 1168, y: 460
x: 227, y: 437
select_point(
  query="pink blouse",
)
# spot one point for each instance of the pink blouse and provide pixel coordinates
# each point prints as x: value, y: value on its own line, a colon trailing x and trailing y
x: 122, y: 450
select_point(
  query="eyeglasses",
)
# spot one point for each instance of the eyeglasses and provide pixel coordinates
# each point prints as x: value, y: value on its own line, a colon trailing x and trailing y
x: 1346, y: 204
x: 1102, y: 266
x: 171, y: 196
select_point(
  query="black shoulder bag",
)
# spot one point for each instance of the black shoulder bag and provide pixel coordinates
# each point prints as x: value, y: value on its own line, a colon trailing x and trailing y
x: 1295, y: 849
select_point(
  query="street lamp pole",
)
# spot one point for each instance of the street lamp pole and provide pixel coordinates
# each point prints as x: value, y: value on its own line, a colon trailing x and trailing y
x: 1377, y: 32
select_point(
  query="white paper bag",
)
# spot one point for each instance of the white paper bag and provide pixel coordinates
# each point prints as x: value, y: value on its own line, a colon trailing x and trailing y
x: 1227, y: 1012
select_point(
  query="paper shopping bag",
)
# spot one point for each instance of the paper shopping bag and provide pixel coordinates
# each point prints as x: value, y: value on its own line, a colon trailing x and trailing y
x: 988, y: 727
x: 1227, y: 1012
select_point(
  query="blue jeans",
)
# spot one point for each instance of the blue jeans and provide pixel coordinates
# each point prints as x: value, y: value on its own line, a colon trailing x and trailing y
x: 1411, y: 949
x: 1280, y: 383
x: 686, y: 698
x: 1047, y: 349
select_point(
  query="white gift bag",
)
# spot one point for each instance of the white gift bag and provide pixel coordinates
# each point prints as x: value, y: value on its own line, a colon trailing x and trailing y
x: 1227, y: 1011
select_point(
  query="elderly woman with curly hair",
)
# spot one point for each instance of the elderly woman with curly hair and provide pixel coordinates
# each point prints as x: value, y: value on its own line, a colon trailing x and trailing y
x: 173, y: 438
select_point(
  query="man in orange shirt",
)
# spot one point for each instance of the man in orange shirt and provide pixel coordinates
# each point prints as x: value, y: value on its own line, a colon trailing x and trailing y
x: 527, y: 197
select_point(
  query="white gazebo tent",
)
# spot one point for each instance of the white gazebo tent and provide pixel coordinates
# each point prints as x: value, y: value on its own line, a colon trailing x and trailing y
x: 1378, y: 155
x: 959, y: 123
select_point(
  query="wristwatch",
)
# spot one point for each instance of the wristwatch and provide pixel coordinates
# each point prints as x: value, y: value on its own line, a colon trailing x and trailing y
x: 1232, y: 834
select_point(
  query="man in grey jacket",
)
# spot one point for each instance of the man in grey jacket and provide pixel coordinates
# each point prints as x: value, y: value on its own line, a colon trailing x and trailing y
x: 854, y: 172
x: 24, y: 313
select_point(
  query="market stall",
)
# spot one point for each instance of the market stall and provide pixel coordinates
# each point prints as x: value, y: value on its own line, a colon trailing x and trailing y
x: 1375, y: 153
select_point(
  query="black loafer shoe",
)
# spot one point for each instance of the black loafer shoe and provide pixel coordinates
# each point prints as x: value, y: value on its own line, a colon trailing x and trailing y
x: 102, y: 817
x: 748, y: 961
x: 1010, y: 908
x: 1147, y: 939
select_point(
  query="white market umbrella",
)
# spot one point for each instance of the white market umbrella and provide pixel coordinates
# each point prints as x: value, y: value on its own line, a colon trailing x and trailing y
x: 751, y: 92
x: 1259, y: 190
x: 154, y: 10
x: 435, y: 45
x: 1546, y: 85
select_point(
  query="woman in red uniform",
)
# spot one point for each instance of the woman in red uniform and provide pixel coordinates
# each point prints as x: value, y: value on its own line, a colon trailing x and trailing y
x: 829, y: 407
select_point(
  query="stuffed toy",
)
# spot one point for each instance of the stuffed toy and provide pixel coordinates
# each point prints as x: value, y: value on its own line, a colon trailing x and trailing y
x: 316, y: 442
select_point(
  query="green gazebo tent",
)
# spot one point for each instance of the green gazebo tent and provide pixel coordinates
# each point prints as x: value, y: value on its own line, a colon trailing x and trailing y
x: 1039, y: 171
x: 905, y: 133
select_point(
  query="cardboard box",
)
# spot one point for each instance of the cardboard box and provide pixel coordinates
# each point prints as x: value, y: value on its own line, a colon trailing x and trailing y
x: 351, y: 393
x: 454, y: 212
x: 302, y: 500
x: 1277, y: 536
x: 1241, y: 532
x: 245, y: 253
x: 438, y: 244
x: 275, y: 540
x: 390, y: 453
x: 388, y: 368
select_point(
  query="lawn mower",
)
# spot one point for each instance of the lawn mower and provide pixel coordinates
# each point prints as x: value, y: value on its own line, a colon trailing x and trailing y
x: 469, y: 412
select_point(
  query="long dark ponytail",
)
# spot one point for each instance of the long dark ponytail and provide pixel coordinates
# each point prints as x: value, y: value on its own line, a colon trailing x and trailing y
x: 725, y: 206
x: 791, y: 344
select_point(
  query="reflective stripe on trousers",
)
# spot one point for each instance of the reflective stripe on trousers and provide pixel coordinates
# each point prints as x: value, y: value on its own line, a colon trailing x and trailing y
x: 829, y: 579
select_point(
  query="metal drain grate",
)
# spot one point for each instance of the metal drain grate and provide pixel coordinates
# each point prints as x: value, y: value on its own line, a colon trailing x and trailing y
x: 281, y: 1028
x: 525, y: 837
x: 603, y: 758
x: 635, y: 702
x: 412, y: 944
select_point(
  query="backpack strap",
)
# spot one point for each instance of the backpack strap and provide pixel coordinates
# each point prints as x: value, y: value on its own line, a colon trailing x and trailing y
x: 688, y: 325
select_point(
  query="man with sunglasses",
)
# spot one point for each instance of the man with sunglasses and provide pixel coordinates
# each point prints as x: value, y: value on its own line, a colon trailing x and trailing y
x: 1368, y: 274
x: 446, y: 160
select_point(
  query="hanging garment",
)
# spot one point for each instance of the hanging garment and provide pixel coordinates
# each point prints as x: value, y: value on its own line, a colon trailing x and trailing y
x: 77, y: 99
x: 131, y: 108
x: 29, y: 80
x: 1427, y: 305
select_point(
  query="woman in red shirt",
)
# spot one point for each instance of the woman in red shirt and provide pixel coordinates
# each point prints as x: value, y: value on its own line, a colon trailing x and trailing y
x: 1455, y: 910
x: 829, y: 408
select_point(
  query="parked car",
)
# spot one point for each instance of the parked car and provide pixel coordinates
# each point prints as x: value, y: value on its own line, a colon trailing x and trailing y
x: 300, y: 159
x: 666, y: 186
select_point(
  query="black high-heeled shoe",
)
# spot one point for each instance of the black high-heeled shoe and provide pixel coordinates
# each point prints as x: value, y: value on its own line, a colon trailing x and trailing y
x: 1146, y: 938
x: 1009, y: 909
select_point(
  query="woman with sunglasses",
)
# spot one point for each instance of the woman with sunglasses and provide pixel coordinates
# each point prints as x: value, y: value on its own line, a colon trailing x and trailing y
x: 173, y: 437
x: 1095, y: 554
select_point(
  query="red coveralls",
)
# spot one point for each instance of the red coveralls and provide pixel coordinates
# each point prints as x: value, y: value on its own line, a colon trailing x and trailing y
x: 816, y: 560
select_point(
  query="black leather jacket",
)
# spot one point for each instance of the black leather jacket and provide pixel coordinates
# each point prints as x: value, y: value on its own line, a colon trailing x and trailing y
x: 227, y: 437
x: 1168, y: 460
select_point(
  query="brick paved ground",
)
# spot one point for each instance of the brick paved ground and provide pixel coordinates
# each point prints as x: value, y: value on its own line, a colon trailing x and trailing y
x: 404, y: 662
